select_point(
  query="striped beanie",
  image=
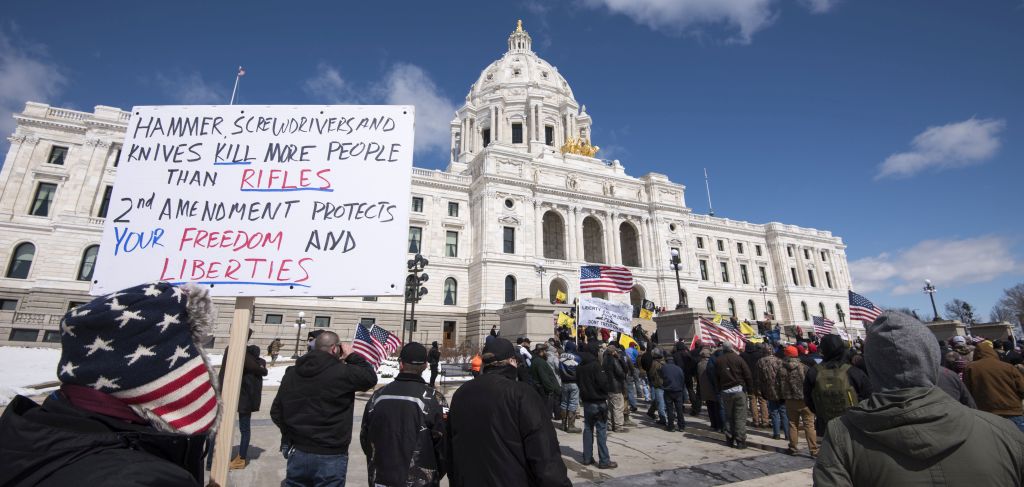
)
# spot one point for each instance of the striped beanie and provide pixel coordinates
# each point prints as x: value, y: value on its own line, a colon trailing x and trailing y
x: 142, y: 346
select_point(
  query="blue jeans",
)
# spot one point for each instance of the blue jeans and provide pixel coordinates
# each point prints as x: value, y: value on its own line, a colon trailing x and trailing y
x: 631, y: 391
x: 313, y: 470
x: 595, y: 414
x: 658, y: 402
x: 1017, y: 420
x: 779, y: 416
x: 244, y: 428
x: 570, y: 397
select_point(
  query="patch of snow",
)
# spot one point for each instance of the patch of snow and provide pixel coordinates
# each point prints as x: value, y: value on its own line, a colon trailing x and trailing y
x: 21, y: 367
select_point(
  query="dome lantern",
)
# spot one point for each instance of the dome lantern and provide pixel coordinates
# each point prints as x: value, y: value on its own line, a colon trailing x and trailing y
x: 519, y: 40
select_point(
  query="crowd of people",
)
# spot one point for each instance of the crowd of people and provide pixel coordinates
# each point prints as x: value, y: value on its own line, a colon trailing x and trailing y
x: 897, y: 408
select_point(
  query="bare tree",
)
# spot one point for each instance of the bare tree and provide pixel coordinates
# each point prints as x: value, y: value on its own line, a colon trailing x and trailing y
x: 959, y: 309
x: 1010, y: 307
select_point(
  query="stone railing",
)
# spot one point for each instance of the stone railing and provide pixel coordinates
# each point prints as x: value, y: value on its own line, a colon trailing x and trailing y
x: 30, y: 318
x: 66, y: 114
x: 124, y: 116
x: 440, y: 175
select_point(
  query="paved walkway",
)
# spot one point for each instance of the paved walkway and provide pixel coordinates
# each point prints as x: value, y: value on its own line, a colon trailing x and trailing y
x: 647, y: 456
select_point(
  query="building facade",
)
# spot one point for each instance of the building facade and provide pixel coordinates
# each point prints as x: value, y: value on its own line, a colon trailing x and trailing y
x: 522, y: 204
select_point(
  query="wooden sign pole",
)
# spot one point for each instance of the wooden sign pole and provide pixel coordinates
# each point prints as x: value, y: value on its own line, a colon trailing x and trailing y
x: 238, y: 336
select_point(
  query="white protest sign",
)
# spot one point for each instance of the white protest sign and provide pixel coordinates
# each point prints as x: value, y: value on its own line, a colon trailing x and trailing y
x: 262, y: 200
x: 606, y: 314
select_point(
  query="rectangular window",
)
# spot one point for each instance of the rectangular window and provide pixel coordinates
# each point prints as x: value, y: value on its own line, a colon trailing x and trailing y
x: 517, y: 133
x: 415, y: 237
x: 508, y: 240
x: 703, y: 270
x: 824, y: 256
x: 721, y: 246
x: 451, y: 244
x: 828, y: 279
x: 725, y: 271
x: 44, y: 198
x: 417, y: 204
x: 105, y: 202
x: 367, y: 321
x: 743, y: 274
x: 453, y: 209
x: 410, y: 325
x: 23, y: 335
x: 52, y: 336
x: 117, y: 156
x: 757, y: 250
x: 549, y: 135
x: 487, y: 137
x: 796, y: 280
x: 700, y: 242
x: 369, y: 298
x: 273, y: 319
x: 764, y: 275
x: 810, y: 278
x: 789, y: 251
x: 807, y: 254
x: 57, y: 156
x: 739, y: 247
x: 322, y: 322
x: 8, y: 304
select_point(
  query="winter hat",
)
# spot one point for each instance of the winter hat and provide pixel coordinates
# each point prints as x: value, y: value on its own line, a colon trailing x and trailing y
x: 657, y: 353
x: 812, y: 347
x: 901, y: 353
x: 832, y: 347
x: 791, y: 352
x: 142, y: 346
x: 727, y: 346
x: 499, y: 349
x: 959, y: 340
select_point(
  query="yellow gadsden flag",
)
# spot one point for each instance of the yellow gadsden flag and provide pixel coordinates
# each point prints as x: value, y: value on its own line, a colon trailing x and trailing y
x: 646, y: 314
x: 560, y: 297
x: 717, y: 319
x: 746, y: 329
x: 625, y: 340
x: 565, y: 320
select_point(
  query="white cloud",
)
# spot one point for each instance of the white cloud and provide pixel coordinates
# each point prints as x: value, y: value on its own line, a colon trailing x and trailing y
x: 26, y: 74
x: 403, y: 84
x: 948, y: 262
x: 819, y: 6
x: 959, y: 144
x: 191, y: 89
x: 745, y: 17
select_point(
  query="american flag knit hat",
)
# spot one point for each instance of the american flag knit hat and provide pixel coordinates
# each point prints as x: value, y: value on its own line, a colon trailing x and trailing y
x: 142, y: 346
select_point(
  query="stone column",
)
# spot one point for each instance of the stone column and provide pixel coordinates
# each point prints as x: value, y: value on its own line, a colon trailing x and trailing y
x: 611, y: 256
x: 573, y: 237
x: 538, y: 241
x: 580, y: 218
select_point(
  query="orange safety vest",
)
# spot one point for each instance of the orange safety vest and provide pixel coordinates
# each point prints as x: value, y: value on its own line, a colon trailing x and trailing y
x: 476, y: 363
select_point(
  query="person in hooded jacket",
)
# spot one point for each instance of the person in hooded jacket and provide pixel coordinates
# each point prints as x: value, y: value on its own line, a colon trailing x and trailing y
x: 791, y: 382
x: 766, y: 375
x: 997, y: 386
x: 313, y: 409
x: 909, y: 432
x: 951, y: 384
x: 250, y: 394
x: 834, y: 358
x: 657, y: 409
x: 594, y: 391
x: 499, y: 430
x: 570, y: 401
x: 707, y: 390
x: 84, y: 435
x: 756, y: 403
x: 674, y: 393
x: 615, y: 370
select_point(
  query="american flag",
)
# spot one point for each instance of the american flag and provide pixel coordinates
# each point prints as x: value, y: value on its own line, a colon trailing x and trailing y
x: 605, y: 278
x: 863, y: 309
x: 712, y: 333
x: 374, y: 343
x: 823, y: 326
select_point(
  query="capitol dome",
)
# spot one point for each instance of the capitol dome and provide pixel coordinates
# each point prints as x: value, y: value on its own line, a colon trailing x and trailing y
x: 521, y: 67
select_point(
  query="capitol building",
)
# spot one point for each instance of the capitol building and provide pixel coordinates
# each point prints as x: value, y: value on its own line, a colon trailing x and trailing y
x: 524, y: 202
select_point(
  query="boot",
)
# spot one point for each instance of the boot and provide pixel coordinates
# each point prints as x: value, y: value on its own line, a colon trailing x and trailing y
x: 572, y: 424
x: 565, y: 422
x: 237, y: 463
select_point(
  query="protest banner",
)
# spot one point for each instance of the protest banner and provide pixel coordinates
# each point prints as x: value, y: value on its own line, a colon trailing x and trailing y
x: 601, y: 313
x: 262, y: 200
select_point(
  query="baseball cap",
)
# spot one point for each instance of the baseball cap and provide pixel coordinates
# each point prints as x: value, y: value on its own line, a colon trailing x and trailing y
x: 413, y: 353
x: 499, y: 349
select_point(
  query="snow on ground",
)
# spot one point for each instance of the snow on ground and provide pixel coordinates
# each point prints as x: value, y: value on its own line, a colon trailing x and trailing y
x: 21, y: 367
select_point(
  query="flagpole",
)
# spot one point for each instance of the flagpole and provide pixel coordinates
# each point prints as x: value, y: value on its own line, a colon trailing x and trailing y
x: 707, y: 185
x: 235, y: 89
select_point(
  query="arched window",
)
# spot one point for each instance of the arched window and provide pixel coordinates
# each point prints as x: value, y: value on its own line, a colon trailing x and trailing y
x: 710, y: 304
x: 840, y: 314
x: 771, y: 309
x: 451, y: 291
x: 21, y: 261
x: 558, y: 285
x: 510, y: 288
x: 751, y: 309
x: 554, y: 236
x: 628, y: 238
x: 803, y: 308
x: 593, y: 240
x: 821, y: 308
x: 732, y: 307
x: 636, y: 297
x: 686, y: 299
x: 88, y: 263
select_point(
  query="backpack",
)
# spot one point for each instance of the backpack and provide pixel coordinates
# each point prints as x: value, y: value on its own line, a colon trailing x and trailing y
x: 832, y: 393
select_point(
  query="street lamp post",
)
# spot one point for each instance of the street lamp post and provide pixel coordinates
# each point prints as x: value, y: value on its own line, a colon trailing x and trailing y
x: 764, y: 296
x: 298, y: 330
x: 539, y: 267
x: 677, y: 262
x: 929, y: 289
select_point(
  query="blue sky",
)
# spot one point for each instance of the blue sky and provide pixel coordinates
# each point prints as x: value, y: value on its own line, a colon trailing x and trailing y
x: 899, y: 126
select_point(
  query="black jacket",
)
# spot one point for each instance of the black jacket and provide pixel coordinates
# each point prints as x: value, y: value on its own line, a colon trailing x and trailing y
x: 672, y: 375
x: 615, y: 371
x: 313, y: 406
x: 58, y: 444
x: 254, y: 369
x: 591, y: 379
x: 433, y: 357
x: 500, y: 434
x: 645, y: 360
x: 403, y: 434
